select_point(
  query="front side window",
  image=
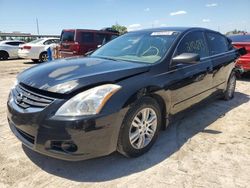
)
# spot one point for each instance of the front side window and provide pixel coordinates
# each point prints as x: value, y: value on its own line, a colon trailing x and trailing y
x: 193, y: 43
x: 217, y: 43
x: 138, y: 47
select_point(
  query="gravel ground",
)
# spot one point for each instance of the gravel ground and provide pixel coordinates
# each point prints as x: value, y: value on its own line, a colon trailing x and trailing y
x: 209, y: 147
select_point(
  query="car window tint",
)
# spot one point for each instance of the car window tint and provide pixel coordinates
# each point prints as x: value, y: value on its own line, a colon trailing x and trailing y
x: 56, y: 41
x: 13, y: 43
x: 48, y: 42
x: 101, y: 38
x: 217, y: 43
x: 113, y: 37
x: 87, y: 37
x: 193, y: 43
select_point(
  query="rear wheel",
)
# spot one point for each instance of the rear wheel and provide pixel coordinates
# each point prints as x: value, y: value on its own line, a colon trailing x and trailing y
x: 140, y: 128
x: 43, y: 57
x: 229, y: 93
x: 4, y: 55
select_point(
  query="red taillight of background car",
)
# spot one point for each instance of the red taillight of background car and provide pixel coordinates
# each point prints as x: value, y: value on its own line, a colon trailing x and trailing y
x: 27, y: 47
x: 76, y: 47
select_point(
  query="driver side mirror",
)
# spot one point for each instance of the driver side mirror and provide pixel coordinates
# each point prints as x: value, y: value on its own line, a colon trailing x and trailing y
x: 187, y: 58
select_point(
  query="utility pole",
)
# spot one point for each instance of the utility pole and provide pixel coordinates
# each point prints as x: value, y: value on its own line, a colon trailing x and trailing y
x: 37, y: 26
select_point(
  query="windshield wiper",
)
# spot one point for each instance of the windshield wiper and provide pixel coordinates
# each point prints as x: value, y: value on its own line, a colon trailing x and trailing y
x: 101, y: 57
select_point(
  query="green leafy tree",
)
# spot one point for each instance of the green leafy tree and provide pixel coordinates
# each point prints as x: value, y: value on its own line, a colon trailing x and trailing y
x: 235, y: 31
x: 121, y: 29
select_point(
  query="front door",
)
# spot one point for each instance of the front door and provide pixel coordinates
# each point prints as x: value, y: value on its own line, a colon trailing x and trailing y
x: 193, y: 81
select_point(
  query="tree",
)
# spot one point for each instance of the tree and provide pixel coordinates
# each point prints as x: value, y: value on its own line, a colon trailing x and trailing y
x: 121, y: 29
x: 235, y: 31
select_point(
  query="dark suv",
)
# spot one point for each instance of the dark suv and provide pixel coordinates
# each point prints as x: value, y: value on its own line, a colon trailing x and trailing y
x: 75, y: 42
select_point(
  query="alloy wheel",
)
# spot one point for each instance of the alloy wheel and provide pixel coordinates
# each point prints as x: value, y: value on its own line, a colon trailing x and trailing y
x: 143, y: 128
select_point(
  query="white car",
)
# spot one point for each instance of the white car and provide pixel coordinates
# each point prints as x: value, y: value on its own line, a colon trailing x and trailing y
x: 37, y: 49
x: 9, y: 49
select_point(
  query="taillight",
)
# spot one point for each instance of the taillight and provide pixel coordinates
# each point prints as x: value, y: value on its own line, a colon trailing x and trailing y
x: 27, y: 47
x: 76, y: 47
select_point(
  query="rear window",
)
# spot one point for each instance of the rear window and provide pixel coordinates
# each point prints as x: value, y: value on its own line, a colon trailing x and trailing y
x: 240, y: 38
x: 68, y: 36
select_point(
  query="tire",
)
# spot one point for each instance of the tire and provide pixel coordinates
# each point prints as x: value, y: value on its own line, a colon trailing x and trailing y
x: 35, y: 60
x: 4, y: 55
x: 229, y: 93
x: 133, y: 146
x: 43, y: 57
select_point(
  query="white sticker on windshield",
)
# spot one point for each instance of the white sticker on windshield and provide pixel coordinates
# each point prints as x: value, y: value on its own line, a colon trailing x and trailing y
x: 162, y: 33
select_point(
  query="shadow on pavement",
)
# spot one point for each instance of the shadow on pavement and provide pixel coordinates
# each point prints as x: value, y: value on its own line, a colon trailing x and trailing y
x: 115, y: 166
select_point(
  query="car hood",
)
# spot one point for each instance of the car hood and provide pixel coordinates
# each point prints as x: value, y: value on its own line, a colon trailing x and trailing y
x: 68, y: 75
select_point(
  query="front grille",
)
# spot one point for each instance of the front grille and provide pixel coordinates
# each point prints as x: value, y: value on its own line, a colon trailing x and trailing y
x: 27, y: 136
x: 26, y: 98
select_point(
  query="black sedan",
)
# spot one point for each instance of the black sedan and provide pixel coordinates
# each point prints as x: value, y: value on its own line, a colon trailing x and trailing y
x: 119, y: 97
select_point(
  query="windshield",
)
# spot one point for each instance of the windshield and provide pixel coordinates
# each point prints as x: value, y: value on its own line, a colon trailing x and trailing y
x: 240, y: 38
x: 138, y: 47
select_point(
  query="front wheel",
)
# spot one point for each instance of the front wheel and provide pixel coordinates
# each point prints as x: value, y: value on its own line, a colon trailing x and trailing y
x: 229, y: 93
x: 140, y: 128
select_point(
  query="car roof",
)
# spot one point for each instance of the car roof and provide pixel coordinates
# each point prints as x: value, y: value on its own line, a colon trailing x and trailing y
x: 178, y: 29
x: 49, y: 38
x: 92, y: 31
x: 4, y: 41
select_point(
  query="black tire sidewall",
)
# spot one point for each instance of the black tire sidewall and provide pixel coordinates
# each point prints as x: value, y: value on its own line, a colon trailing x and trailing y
x: 226, y: 95
x: 40, y: 57
x: 124, y: 145
x: 4, y: 55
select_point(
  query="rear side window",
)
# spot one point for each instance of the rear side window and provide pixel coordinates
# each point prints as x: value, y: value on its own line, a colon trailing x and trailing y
x: 67, y: 36
x: 113, y: 37
x: 217, y: 43
x: 48, y: 42
x: 14, y: 43
x: 101, y: 38
x: 193, y: 42
x: 87, y: 37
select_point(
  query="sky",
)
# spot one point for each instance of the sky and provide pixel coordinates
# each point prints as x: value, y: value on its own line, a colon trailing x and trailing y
x: 55, y: 15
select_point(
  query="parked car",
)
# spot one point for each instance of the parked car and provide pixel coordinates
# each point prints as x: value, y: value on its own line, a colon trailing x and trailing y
x: 239, y: 41
x: 9, y: 48
x: 120, y: 96
x: 75, y: 42
x: 37, y: 49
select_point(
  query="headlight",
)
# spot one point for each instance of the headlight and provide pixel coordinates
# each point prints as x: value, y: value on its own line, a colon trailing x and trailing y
x: 88, y: 102
x: 15, y: 83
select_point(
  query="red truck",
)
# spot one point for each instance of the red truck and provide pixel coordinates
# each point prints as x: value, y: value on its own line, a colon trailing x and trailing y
x: 75, y: 42
x: 240, y: 41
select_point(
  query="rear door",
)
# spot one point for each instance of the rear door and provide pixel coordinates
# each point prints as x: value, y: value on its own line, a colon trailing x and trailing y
x: 67, y: 43
x: 86, y: 40
x: 194, y: 81
x: 223, y: 56
x: 13, y: 48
